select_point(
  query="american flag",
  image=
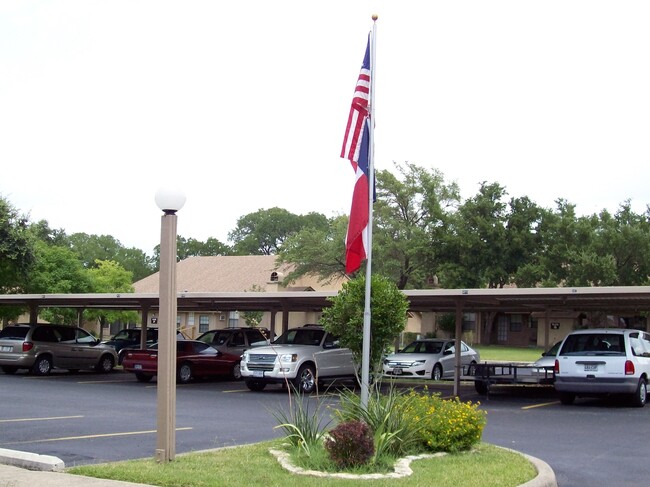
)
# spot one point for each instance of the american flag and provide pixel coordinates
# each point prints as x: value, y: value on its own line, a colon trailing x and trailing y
x: 356, y: 145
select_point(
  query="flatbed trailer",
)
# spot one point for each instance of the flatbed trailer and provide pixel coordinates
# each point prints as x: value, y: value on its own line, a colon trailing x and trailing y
x: 487, y: 374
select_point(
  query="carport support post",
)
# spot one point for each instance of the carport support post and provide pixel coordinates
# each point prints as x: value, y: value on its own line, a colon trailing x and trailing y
x: 166, y: 388
x: 457, y: 357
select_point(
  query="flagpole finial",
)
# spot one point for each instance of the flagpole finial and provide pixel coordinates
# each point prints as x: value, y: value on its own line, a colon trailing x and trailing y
x: 375, y: 17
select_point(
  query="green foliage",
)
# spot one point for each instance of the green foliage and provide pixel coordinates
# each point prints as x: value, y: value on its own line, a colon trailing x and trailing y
x: 350, y: 444
x: 110, y: 277
x: 394, y: 432
x: 304, y: 429
x: 16, y: 249
x: 316, y: 251
x: 265, y: 231
x: 445, y: 424
x: 345, y: 316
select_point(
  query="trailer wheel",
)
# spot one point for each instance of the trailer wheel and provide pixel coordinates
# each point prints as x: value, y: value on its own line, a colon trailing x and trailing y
x: 482, y: 387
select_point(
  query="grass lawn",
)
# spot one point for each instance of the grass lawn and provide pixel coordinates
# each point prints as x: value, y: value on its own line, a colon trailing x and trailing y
x: 508, y: 354
x: 253, y: 465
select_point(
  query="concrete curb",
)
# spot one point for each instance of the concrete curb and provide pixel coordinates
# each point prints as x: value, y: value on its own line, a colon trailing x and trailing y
x: 31, y: 461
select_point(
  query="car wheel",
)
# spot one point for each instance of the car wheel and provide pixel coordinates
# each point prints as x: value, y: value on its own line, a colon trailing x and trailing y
x: 184, y: 373
x: 567, y: 398
x: 305, y: 381
x: 639, y: 398
x: 143, y: 377
x: 105, y: 364
x: 255, y: 385
x: 42, y: 366
x: 437, y: 372
x: 9, y: 370
x: 235, y: 373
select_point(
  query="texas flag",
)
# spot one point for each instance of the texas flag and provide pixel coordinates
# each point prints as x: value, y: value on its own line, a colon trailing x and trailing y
x: 356, y: 145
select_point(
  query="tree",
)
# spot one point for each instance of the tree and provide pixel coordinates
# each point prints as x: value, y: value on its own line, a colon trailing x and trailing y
x: 265, y: 231
x: 190, y: 247
x: 57, y: 270
x: 316, y: 251
x: 110, y: 277
x: 16, y: 249
x: 411, y: 217
x: 93, y: 248
x: 346, y: 315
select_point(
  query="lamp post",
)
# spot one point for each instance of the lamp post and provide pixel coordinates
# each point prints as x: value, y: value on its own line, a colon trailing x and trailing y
x: 169, y: 201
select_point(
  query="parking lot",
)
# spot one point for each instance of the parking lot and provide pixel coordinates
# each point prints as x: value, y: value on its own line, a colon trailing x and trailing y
x: 90, y: 418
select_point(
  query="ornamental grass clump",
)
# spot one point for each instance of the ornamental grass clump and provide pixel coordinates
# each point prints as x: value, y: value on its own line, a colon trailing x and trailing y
x: 447, y: 425
x: 350, y: 444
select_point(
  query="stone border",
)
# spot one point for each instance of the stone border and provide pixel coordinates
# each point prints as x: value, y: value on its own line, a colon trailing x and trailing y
x: 545, y: 476
x: 402, y: 467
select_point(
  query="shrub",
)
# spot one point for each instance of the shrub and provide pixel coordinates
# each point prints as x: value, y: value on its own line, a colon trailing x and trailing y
x: 350, y: 444
x: 304, y: 429
x: 394, y: 432
x: 446, y: 424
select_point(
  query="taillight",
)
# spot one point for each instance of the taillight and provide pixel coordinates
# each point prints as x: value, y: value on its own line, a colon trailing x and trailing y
x: 27, y: 346
x: 556, y: 367
x: 629, y: 367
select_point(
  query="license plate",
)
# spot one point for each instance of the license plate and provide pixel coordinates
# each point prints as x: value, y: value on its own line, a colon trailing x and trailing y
x: 137, y: 366
x: 591, y: 367
x: 258, y: 373
x: 6, y: 349
x: 397, y: 371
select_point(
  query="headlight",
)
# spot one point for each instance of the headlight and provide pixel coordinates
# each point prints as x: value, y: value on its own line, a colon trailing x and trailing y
x: 288, y: 357
x: 419, y: 362
x: 244, y: 357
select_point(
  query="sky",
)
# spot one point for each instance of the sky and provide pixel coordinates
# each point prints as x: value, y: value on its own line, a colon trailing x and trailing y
x: 242, y: 105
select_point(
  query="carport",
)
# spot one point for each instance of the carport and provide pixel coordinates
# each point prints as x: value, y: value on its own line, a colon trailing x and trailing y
x: 631, y: 299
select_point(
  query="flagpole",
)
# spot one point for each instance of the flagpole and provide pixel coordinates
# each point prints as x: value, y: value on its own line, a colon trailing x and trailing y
x: 365, y: 360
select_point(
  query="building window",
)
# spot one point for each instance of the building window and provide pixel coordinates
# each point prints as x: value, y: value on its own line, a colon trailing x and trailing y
x: 502, y: 329
x: 233, y: 319
x: 274, y: 277
x: 469, y: 321
x: 516, y: 323
x: 204, y: 323
x: 178, y: 321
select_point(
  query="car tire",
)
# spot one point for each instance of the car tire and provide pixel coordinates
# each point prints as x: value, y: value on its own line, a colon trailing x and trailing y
x: 9, y: 369
x: 640, y: 397
x: 184, y: 374
x: 305, y: 380
x: 42, y: 366
x: 255, y: 386
x: 482, y: 387
x: 105, y: 364
x: 143, y: 377
x: 567, y: 398
x: 436, y: 374
x: 235, y: 373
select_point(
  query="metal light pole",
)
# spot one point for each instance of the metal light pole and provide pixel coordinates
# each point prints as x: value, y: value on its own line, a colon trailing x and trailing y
x: 169, y: 202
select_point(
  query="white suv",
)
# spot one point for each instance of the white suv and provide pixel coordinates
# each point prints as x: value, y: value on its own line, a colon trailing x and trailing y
x: 302, y: 356
x: 603, y: 361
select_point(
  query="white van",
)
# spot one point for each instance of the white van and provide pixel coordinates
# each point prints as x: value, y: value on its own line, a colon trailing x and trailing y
x: 603, y: 361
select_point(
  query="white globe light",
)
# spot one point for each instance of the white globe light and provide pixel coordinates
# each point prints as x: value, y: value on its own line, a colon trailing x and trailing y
x: 170, y: 200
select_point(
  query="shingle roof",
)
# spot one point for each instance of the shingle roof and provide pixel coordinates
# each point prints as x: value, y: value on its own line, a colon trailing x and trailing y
x: 228, y: 274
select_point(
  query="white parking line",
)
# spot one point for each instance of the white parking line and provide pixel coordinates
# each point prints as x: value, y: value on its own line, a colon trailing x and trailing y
x: 18, y: 420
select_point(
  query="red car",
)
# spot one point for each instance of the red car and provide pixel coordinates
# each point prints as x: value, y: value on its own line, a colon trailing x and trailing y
x: 194, y: 359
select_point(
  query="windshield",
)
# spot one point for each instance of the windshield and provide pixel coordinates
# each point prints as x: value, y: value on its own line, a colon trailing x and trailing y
x: 301, y: 336
x: 423, y: 347
x: 594, y: 344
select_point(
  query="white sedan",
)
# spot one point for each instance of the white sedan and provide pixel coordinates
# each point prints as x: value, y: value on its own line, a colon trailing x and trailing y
x: 429, y: 358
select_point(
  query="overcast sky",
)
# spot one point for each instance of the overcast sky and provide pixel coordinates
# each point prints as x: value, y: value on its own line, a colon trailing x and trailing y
x: 243, y: 105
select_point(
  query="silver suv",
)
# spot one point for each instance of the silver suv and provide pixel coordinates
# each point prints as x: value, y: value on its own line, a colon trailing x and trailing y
x: 42, y: 347
x: 302, y: 356
x: 604, y: 361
